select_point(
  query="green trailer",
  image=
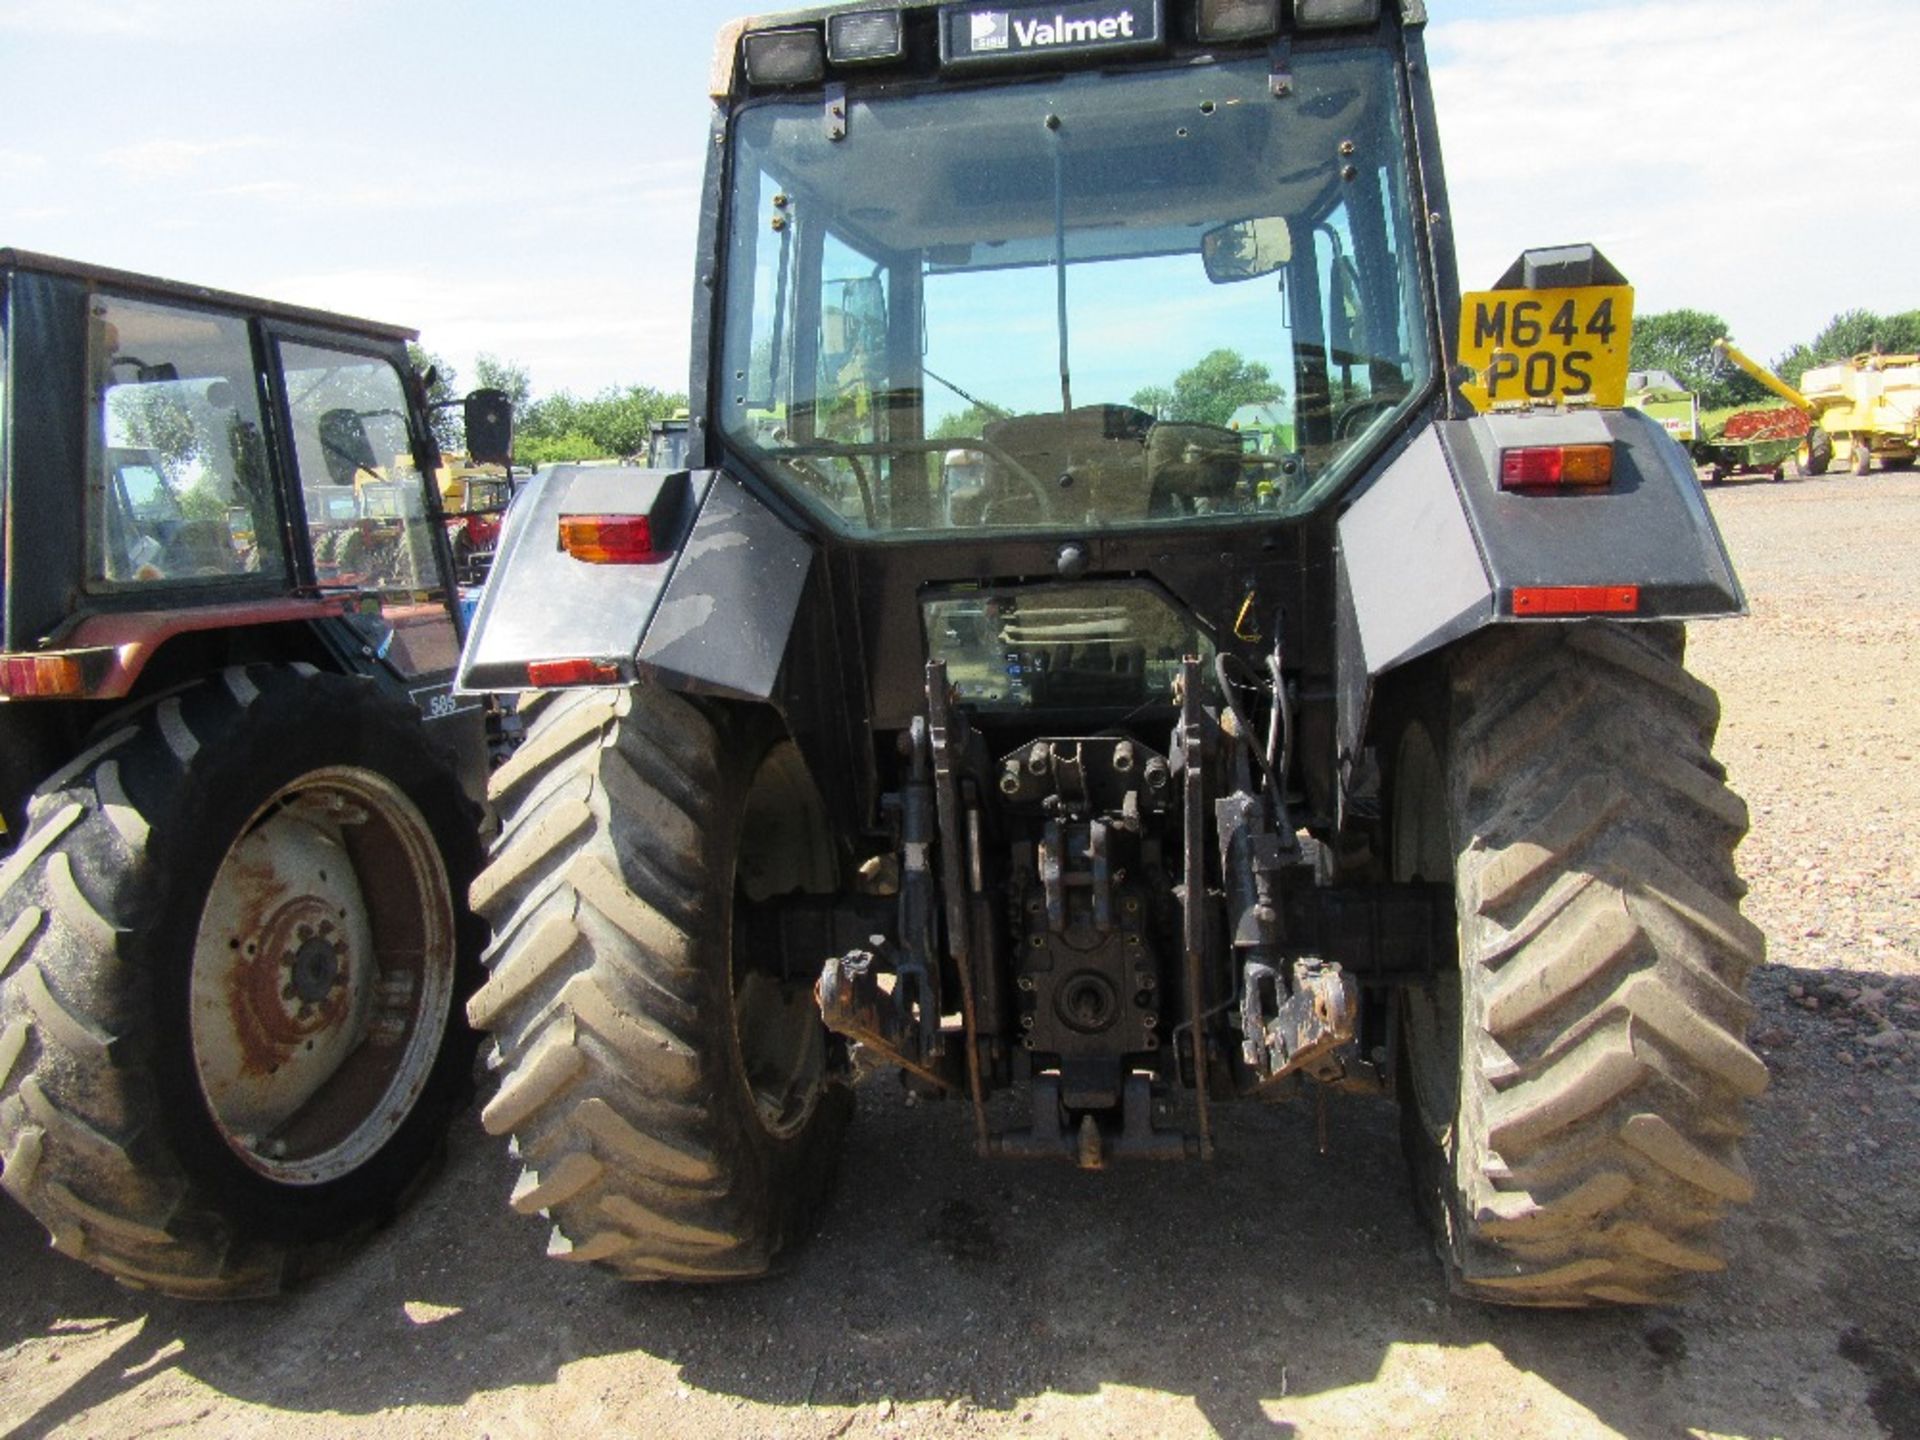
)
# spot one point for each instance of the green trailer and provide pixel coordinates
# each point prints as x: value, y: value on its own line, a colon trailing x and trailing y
x: 1719, y: 446
x: 1749, y: 441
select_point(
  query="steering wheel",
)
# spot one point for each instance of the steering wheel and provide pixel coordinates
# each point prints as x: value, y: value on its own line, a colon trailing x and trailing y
x: 819, y: 479
x: 1037, y: 489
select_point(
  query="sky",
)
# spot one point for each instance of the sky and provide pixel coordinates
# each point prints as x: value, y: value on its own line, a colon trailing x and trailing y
x: 523, y: 180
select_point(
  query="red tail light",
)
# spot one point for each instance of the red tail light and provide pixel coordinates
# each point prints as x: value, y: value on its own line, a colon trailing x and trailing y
x: 609, y: 539
x: 1557, y: 467
x: 1576, y: 600
x: 557, y: 674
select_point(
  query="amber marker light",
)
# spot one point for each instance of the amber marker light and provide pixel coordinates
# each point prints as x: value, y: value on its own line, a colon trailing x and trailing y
x: 41, y: 677
x: 1576, y: 600
x: 609, y: 539
x: 1557, y: 467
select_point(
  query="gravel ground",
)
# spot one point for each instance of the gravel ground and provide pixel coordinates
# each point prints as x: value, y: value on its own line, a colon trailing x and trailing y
x: 1279, y: 1293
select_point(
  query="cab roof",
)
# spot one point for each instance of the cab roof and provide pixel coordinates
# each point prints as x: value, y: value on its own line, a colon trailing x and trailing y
x: 153, y: 285
x: 726, y: 53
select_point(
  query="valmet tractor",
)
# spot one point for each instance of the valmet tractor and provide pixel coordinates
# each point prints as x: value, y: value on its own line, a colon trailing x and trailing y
x: 239, y: 799
x: 1147, y: 770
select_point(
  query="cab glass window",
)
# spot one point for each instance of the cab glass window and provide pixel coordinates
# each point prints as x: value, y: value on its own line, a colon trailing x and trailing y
x: 179, y: 488
x: 365, y: 499
x: 1097, y: 300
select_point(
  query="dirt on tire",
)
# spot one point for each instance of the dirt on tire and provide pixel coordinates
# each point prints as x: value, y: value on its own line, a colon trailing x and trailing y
x: 1594, y: 1143
x: 611, y: 998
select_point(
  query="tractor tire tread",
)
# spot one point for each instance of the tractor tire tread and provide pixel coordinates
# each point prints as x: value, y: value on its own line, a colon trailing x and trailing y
x: 1599, y: 1138
x: 79, y: 1128
x: 612, y: 1084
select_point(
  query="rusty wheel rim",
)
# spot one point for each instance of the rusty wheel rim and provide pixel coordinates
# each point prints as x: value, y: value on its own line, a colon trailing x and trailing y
x: 322, y: 976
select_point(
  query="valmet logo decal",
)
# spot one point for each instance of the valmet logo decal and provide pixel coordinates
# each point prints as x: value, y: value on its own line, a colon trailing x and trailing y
x: 977, y: 34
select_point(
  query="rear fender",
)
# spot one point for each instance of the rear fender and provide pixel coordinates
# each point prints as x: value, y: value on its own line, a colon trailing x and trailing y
x: 1433, y: 550
x: 713, y: 614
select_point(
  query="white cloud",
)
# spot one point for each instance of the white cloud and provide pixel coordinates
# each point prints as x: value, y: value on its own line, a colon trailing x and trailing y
x: 1719, y: 151
x: 148, y: 19
x: 20, y: 164
x: 90, y: 18
x: 579, y: 332
x: 171, y: 159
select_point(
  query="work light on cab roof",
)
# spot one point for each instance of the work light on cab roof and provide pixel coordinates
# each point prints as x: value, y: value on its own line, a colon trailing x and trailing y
x: 1334, y: 14
x: 787, y: 55
x: 1238, y: 19
x: 869, y: 36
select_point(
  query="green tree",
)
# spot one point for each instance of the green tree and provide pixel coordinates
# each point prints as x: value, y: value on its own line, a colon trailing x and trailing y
x: 159, y: 417
x: 1681, y: 343
x: 562, y: 449
x: 967, y: 424
x: 492, y: 373
x: 442, y: 395
x: 1210, y: 390
x: 1851, y: 333
x: 613, y: 423
x: 1156, y: 400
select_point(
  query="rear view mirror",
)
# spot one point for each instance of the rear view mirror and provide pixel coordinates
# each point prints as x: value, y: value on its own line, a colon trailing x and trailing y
x: 1247, y: 249
x: 857, y: 326
x: 346, y: 446
x: 489, y: 425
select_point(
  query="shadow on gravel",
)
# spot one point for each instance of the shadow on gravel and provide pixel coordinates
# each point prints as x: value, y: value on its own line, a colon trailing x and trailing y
x: 1276, y: 1274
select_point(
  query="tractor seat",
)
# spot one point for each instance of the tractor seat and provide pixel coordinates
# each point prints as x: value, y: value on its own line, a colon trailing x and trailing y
x: 1188, y: 462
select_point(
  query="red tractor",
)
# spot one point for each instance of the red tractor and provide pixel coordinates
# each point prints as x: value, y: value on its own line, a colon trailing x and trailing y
x: 237, y: 795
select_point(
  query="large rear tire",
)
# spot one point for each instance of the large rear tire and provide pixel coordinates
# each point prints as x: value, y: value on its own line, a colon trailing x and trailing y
x: 1818, y: 451
x: 235, y: 946
x: 673, y: 1102
x: 1572, y: 1096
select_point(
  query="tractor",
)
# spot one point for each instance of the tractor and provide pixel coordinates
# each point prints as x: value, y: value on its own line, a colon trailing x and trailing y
x: 977, y: 702
x: 239, y: 802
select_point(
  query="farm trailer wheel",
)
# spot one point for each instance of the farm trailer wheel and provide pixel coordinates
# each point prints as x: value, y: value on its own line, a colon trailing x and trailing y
x: 1817, y: 453
x: 234, y: 949
x: 1572, y: 1096
x: 673, y: 1105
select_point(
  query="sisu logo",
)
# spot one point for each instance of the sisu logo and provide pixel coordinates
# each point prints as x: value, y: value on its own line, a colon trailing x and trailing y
x: 990, y: 30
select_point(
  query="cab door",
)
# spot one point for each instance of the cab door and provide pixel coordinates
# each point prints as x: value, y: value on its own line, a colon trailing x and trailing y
x: 369, y: 522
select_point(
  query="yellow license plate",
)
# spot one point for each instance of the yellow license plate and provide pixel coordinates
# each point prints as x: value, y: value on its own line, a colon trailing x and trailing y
x: 1546, y: 347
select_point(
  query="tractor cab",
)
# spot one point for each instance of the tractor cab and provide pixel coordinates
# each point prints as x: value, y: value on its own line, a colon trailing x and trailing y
x: 1075, y: 260
x: 191, y: 475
